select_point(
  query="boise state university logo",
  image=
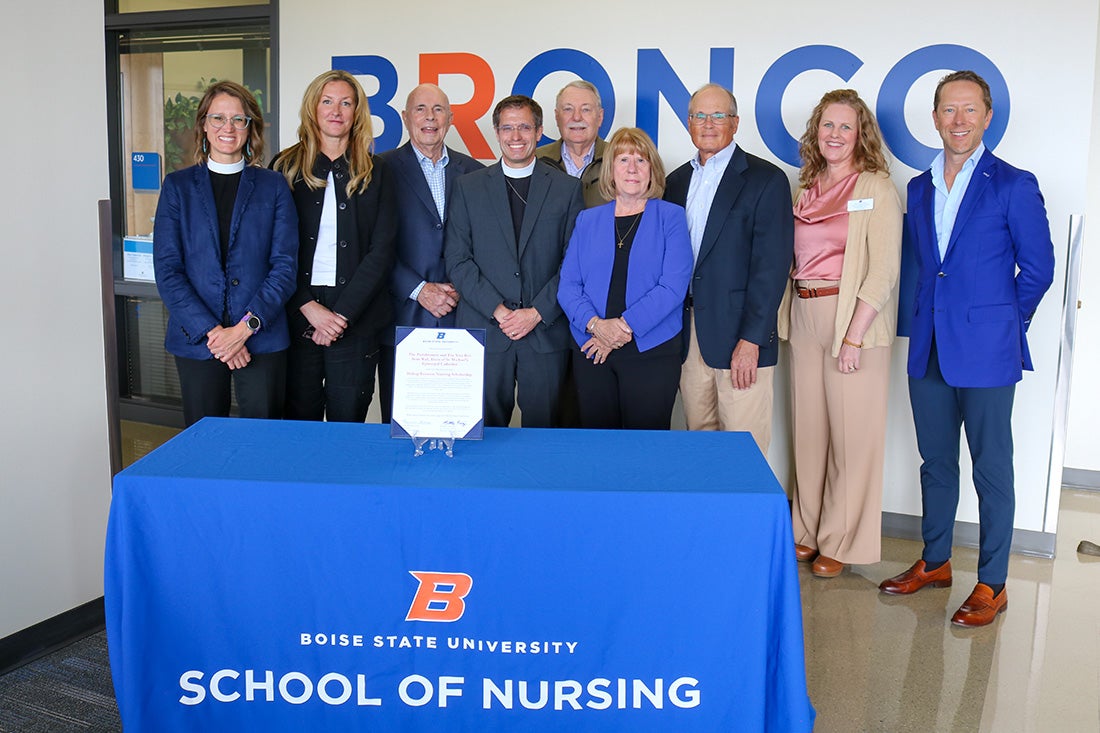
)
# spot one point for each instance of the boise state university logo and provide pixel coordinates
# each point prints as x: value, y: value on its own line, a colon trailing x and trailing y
x: 440, y: 597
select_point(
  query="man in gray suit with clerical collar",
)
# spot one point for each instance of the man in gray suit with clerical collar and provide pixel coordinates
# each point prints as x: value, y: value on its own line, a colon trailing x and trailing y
x: 506, y: 235
x: 579, y: 152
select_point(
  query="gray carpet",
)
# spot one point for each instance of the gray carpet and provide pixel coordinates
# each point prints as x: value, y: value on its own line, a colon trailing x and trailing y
x: 69, y: 690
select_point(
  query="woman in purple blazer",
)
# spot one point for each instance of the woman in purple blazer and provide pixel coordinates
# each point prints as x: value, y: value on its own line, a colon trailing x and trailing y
x: 225, y: 246
x: 623, y: 283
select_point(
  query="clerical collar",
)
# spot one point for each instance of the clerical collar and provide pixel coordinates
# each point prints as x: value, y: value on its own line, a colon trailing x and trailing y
x: 524, y: 172
x: 225, y: 168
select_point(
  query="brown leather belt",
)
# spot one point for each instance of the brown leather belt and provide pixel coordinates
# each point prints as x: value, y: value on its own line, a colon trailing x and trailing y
x: 817, y: 292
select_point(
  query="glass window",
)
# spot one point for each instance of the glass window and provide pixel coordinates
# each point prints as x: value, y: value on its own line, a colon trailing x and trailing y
x: 161, y: 76
x: 150, y: 371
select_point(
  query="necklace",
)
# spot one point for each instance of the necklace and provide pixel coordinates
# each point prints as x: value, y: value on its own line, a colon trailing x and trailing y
x: 637, y: 218
x: 515, y: 191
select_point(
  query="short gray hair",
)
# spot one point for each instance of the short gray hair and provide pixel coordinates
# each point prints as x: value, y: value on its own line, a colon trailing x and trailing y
x: 579, y: 84
x: 705, y: 87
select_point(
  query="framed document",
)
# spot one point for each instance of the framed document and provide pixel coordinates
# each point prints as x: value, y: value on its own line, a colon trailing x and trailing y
x: 438, y: 383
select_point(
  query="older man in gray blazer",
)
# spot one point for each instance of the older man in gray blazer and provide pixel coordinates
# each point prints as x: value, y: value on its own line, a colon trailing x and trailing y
x: 506, y: 236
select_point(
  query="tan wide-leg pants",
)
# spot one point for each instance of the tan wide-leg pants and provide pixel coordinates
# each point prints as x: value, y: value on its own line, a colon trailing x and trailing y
x: 839, y: 438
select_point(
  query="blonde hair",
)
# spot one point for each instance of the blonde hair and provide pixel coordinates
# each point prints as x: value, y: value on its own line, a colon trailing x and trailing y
x: 254, y: 144
x: 631, y: 140
x: 296, y: 162
x: 869, y: 151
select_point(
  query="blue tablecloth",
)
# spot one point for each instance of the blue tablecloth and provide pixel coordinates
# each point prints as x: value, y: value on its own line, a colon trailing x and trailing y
x: 260, y: 574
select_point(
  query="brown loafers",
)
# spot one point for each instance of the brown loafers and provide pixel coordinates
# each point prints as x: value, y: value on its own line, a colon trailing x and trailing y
x: 916, y: 578
x: 826, y: 567
x: 981, y: 608
x: 802, y: 553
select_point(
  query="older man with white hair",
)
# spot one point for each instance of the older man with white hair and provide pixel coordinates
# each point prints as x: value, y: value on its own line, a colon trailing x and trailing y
x: 579, y: 114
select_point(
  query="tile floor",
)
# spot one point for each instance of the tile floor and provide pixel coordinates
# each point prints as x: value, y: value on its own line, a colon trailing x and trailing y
x: 896, y: 664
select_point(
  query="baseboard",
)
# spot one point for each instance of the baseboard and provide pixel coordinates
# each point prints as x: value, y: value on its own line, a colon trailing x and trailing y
x: 50, y: 635
x: 1024, y: 541
x: 1079, y: 478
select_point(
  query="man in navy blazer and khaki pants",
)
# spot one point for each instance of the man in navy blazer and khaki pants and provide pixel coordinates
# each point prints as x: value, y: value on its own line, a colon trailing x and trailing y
x: 979, y: 228
x: 424, y: 171
x: 742, y: 232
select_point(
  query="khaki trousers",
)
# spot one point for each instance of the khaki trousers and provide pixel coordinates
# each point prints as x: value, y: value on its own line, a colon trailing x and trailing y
x: 711, y: 402
x: 839, y: 438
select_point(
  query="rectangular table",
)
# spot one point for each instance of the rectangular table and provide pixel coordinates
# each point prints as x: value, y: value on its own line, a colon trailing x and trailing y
x: 268, y: 575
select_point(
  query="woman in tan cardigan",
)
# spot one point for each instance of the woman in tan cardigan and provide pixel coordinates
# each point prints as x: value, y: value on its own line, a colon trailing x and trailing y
x: 839, y: 314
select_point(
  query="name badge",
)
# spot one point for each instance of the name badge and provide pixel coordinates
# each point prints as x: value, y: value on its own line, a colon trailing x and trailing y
x: 861, y: 205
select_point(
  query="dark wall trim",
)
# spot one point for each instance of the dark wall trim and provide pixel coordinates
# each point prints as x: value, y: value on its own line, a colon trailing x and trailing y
x: 50, y: 635
x: 1079, y: 478
x: 1024, y: 541
x: 110, y: 332
x: 185, y: 18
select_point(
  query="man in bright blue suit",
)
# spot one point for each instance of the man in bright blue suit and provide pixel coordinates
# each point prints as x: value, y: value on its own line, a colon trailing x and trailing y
x: 985, y: 258
x: 425, y: 170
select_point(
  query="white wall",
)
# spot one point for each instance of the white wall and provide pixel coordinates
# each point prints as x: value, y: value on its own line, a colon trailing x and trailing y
x: 54, y: 473
x: 54, y: 468
x: 1084, y: 412
x: 1049, y: 71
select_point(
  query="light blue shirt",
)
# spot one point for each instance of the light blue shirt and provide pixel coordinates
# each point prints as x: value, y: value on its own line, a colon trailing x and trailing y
x: 704, y: 184
x: 948, y: 202
x: 435, y: 173
x: 571, y: 167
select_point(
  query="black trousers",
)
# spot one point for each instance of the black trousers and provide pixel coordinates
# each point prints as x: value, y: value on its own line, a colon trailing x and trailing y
x: 537, y: 380
x: 385, y: 381
x: 206, y: 386
x: 331, y: 382
x: 632, y: 390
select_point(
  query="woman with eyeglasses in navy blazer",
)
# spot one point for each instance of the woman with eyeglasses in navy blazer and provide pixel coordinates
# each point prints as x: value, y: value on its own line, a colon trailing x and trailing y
x: 225, y: 246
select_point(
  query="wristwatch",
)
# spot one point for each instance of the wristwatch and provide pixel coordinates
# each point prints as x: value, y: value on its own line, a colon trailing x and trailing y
x: 253, y: 322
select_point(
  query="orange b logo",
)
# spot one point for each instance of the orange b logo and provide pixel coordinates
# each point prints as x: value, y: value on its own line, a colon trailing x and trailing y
x: 439, y: 597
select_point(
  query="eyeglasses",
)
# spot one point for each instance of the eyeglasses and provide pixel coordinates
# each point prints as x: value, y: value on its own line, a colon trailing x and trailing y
x: 240, y: 122
x: 718, y: 118
x: 585, y: 111
x: 522, y: 128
